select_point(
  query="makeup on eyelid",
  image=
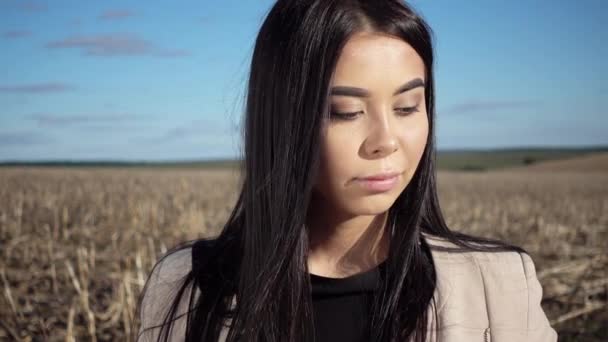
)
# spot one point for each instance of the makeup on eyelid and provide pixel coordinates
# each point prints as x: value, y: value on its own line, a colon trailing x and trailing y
x: 351, y: 115
x: 345, y: 108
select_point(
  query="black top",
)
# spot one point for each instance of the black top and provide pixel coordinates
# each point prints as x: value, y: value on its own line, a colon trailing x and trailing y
x: 342, y: 305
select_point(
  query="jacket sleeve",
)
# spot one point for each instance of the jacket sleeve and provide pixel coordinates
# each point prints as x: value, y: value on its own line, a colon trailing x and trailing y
x: 539, y: 329
x: 160, y: 292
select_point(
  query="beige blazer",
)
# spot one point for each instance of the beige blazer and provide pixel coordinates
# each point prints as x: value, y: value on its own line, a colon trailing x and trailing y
x: 480, y: 296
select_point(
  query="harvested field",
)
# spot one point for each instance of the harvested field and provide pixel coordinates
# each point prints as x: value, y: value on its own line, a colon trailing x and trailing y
x: 77, y: 244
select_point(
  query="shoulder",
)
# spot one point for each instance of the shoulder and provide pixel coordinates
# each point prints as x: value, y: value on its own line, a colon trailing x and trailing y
x: 171, y: 269
x: 457, y: 266
x: 505, y: 262
x: 482, y: 290
x: 467, y: 279
x: 168, y: 276
x: 173, y: 265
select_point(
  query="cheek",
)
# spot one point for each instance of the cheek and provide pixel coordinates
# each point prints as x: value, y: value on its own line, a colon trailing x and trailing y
x: 338, y: 153
x: 415, y: 138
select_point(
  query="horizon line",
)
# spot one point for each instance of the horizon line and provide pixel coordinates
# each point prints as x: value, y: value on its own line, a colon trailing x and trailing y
x: 531, y: 148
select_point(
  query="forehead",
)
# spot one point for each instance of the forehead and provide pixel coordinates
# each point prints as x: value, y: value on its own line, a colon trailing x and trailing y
x: 369, y: 59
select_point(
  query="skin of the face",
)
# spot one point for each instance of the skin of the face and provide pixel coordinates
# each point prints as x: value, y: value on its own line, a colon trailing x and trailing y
x: 381, y: 137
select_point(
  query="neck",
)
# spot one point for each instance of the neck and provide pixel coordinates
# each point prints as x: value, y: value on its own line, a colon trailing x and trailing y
x: 342, y: 246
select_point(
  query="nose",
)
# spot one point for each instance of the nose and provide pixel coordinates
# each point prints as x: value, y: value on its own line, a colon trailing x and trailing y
x: 381, y: 141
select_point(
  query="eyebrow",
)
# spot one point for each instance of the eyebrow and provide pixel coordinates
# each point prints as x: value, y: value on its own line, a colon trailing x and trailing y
x: 360, y: 92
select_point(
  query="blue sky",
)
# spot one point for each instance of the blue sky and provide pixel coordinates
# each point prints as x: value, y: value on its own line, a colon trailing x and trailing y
x: 123, y: 80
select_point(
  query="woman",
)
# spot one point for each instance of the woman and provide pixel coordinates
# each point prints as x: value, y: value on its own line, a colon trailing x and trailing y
x: 337, y: 234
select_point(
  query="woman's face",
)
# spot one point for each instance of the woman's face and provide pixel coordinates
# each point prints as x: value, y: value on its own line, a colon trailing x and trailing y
x: 381, y: 79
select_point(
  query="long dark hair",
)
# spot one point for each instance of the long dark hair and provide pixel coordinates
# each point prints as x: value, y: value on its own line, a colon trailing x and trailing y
x: 260, y: 256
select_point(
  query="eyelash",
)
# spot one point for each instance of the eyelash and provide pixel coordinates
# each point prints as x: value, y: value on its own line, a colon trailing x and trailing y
x: 352, y: 116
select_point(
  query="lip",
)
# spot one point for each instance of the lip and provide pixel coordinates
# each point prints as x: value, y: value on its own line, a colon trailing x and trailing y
x: 380, y: 182
x: 380, y: 176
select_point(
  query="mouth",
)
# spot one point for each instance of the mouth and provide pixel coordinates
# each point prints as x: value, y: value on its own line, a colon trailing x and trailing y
x: 380, y: 182
x: 380, y: 176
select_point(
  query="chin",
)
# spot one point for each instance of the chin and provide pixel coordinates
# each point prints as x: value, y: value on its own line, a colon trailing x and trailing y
x: 373, y: 205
